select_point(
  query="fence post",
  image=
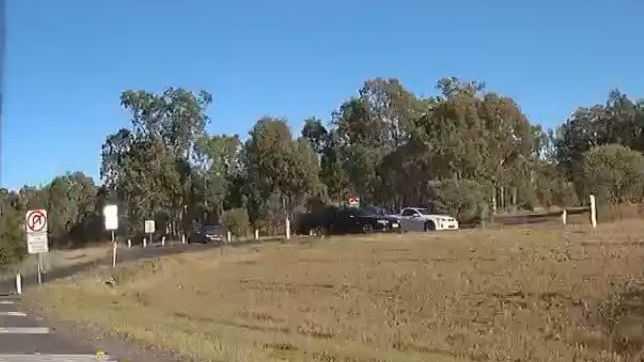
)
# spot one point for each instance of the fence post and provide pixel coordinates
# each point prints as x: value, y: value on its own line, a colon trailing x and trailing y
x: 19, y: 284
x: 593, y: 211
x: 564, y: 216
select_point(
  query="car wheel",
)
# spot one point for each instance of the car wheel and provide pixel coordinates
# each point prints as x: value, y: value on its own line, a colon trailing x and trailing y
x: 429, y: 226
x: 367, y: 228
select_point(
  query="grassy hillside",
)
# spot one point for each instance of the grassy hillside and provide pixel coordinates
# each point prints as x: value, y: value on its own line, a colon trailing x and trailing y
x: 520, y: 294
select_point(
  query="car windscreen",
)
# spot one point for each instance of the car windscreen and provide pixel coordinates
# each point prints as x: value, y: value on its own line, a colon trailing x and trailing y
x: 372, y: 211
x: 354, y: 212
x: 211, y: 228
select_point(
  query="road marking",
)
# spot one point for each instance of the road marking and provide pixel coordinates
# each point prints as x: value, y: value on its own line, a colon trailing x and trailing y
x: 53, y: 358
x: 24, y: 330
x: 7, y: 302
x: 13, y: 314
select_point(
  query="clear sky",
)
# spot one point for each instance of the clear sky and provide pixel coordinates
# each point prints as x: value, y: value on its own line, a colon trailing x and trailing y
x: 68, y: 61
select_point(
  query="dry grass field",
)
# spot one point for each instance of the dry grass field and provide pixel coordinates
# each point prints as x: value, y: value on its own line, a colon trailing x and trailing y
x: 540, y: 293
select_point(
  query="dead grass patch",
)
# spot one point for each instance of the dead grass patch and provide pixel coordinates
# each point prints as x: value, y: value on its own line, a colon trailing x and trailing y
x: 517, y: 294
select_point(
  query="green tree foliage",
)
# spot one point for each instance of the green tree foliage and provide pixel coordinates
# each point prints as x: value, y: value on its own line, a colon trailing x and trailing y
x: 149, y: 167
x: 315, y: 132
x: 614, y: 173
x: 467, y: 200
x: 12, y: 236
x: 369, y: 127
x: 71, y: 208
x: 464, y: 150
x: 551, y: 188
x: 619, y: 121
x: 218, y: 168
x: 386, y: 145
x: 72, y: 204
x: 276, y: 165
x: 236, y: 221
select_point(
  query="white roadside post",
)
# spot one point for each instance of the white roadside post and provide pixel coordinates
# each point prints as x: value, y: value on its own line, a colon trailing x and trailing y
x: 288, y: 229
x: 37, y: 243
x: 564, y: 216
x: 183, y: 238
x: 18, y: 284
x: 229, y: 236
x: 163, y: 241
x: 593, y: 211
x: 111, y: 215
x: 145, y: 243
x: 129, y: 243
x: 256, y: 234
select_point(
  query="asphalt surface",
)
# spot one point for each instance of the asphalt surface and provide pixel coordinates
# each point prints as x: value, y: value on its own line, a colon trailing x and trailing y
x: 26, y: 338
x: 124, y: 254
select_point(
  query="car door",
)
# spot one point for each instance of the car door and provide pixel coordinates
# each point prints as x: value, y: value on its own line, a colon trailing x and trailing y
x: 347, y: 222
x: 406, y: 221
x: 417, y: 221
x: 341, y: 223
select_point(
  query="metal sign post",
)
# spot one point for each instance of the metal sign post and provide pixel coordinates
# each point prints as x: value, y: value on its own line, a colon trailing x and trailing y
x: 114, y: 247
x: 39, y: 270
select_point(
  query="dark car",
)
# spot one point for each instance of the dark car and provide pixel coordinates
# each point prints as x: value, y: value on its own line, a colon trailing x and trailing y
x: 355, y: 220
x: 208, y: 233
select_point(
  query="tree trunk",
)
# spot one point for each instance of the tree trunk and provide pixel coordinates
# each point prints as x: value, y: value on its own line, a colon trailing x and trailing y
x: 514, y: 196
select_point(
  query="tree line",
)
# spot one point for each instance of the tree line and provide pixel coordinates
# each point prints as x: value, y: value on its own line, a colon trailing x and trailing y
x: 468, y: 151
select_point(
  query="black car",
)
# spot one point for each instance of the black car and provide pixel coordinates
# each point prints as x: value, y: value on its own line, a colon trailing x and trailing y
x: 355, y: 220
x: 208, y: 233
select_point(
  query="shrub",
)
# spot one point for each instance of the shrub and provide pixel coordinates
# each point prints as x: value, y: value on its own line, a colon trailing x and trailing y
x: 12, y: 236
x: 613, y: 173
x: 467, y: 200
x: 236, y: 221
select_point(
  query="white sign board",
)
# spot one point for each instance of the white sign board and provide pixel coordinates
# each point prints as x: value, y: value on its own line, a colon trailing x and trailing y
x: 36, y: 225
x: 111, y: 215
x: 149, y: 226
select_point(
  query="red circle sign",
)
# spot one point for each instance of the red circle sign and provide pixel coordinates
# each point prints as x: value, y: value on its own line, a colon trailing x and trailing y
x: 36, y: 221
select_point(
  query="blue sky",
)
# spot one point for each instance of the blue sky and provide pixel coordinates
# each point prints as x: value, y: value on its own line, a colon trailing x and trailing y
x: 68, y: 61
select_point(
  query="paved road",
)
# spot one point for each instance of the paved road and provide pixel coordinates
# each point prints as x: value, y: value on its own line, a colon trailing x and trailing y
x: 124, y: 255
x: 24, y: 338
